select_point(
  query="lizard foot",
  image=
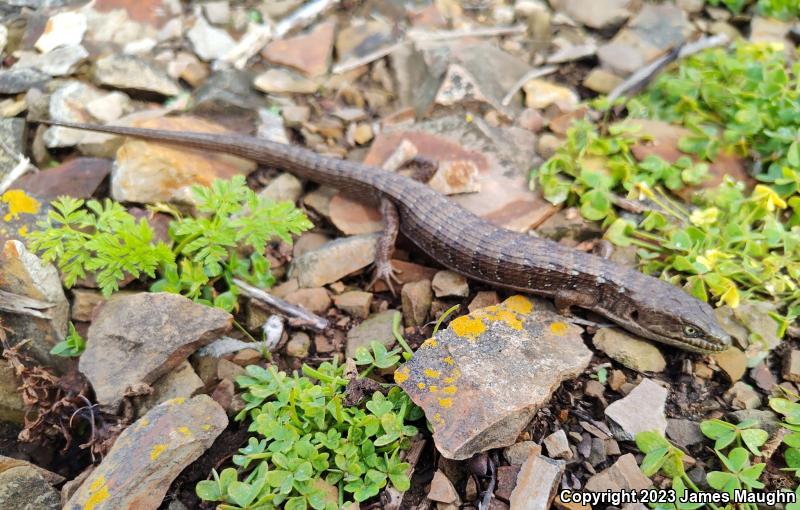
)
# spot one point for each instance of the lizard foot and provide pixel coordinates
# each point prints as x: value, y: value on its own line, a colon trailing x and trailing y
x: 384, y: 271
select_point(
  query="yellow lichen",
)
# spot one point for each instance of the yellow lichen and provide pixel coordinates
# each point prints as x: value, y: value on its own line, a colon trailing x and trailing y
x: 429, y: 343
x: 448, y: 360
x: 558, y: 328
x: 437, y: 418
x: 206, y: 427
x: 433, y: 374
x: 421, y: 385
x: 142, y: 423
x: 449, y: 390
x: 447, y: 403
x: 23, y: 231
x: 401, y: 375
x: 185, y: 431
x: 157, y: 450
x: 98, y: 492
x: 176, y: 401
x: 519, y: 304
x: 467, y: 327
x: 19, y: 203
x: 433, y: 388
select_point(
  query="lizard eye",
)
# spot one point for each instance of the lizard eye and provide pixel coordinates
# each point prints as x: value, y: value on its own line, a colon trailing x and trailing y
x: 691, y: 331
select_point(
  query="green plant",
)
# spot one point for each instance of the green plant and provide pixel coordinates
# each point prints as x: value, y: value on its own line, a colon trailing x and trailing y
x: 202, y: 257
x: 663, y: 457
x: 738, y: 474
x: 309, y: 444
x: 72, y: 345
x: 725, y: 433
x: 377, y: 356
x: 781, y: 9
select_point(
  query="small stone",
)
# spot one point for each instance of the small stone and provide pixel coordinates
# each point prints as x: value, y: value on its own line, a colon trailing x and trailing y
x: 763, y: 377
x: 791, y: 366
x: 315, y: 300
x: 180, y: 382
x: 362, y: 133
x: 733, y: 362
x: 703, y: 371
x: 130, y: 72
x: 442, y: 489
x: 298, y: 345
x: 622, y: 475
x: 23, y: 487
x: 531, y: 119
x: 630, y: 351
x: 743, y: 396
x: 620, y: 58
x: 296, y: 115
x: 455, y: 177
x: 228, y: 369
x: 209, y: 43
x: 218, y: 12
x: 12, y: 408
x: 541, y: 94
x: 536, y: 483
x: 354, y: 303
x: 63, y: 29
x: 416, y: 297
x: 595, y: 389
x: 334, y: 260
x: 602, y: 81
x: 725, y: 28
x: 14, y: 81
x: 769, y: 30
x: 765, y: 419
x: 597, y: 454
x: 506, y: 481
x: 143, y: 327
x: 483, y: 299
x: 282, y: 81
x: 377, y: 328
x: 224, y: 394
x: 518, y: 453
x: 691, y: 6
x: 247, y: 357
x: 600, y: 15
x: 61, y: 61
x: 684, y: 432
x: 557, y: 445
x: 353, y: 217
x: 109, y: 107
x: 131, y: 475
x: 616, y: 379
x: 308, y: 53
x: 448, y: 283
x: 548, y: 145
x: 641, y: 410
x: 308, y: 241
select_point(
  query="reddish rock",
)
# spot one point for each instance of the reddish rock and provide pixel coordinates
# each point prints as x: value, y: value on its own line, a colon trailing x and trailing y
x: 353, y: 217
x: 315, y: 300
x: 78, y: 178
x: 308, y: 53
x: 151, y: 12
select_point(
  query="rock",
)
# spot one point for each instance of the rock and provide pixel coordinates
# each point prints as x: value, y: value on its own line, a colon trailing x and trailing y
x: 521, y: 343
x: 84, y: 302
x: 733, y: 362
x: 315, y: 300
x: 621, y: 58
x: 308, y: 241
x: 24, y: 274
x: 763, y: 377
x: 684, y: 432
x: 14, y: 81
x: 377, y: 327
x: 743, y: 396
x: 228, y: 91
x: 548, y: 145
x: 132, y: 73
x: 109, y: 107
x: 483, y: 299
x: 298, y: 345
x: 765, y: 419
x: 180, y: 382
x: 557, y: 445
x: 629, y: 350
x: 624, y: 474
x: 270, y: 127
x: 12, y: 132
x: 769, y: 30
x: 642, y: 410
x: 541, y: 94
x: 150, y: 454
x: 600, y: 15
x: 285, y: 187
x: 61, y: 61
x: 247, y: 357
x: 362, y: 133
x: 724, y: 28
x: 416, y: 297
x: 447, y: 283
x: 3, y: 37
x: 334, y: 260
x: 308, y: 53
x: 536, y: 483
x: 24, y: 487
x: 67, y: 103
x: 602, y: 81
x: 158, y: 330
x: 453, y: 177
x: 616, y: 379
x: 12, y: 408
x: 281, y: 81
x: 209, y: 43
x: 691, y: 6
x: 188, y: 68
x: 149, y: 172
x: 755, y: 317
x: 77, y: 178
x: 531, y: 120
x: 217, y: 12
x: 506, y: 480
x: 355, y: 303
x: 63, y: 29
x: 518, y: 453
x: 442, y: 489
x: 352, y: 217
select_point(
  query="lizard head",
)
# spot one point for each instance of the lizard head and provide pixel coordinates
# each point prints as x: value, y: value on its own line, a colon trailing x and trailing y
x: 669, y: 315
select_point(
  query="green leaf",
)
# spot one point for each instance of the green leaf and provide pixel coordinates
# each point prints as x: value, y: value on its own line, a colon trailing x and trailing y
x: 241, y: 493
x: 208, y: 490
x: 754, y: 439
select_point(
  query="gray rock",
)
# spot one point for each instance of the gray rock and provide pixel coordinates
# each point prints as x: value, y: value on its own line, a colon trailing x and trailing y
x: 67, y: 104
x: 522, y: 344
x: 518, y: 453
x: 622, y: 475
x: 61, y: 61
x: 765, y: 419
x: 132, y: 73
x: 557, y: 445
x: 684, y: 432
x: 283, y: 187
x: 743, y: 396
x: 12, y: 409
x: 600, y: 14
x: 12, y: 132
x: 158, y: 330
x: 226, y: 91
x: 14, y: 81
x: 180, y: 382
x: 281, y: 81
x: 150, y: 454
x: 24, y: 488
x: 442, y: 490
x: 536, y: 483
x: 334, y: 260
x: 629, y: 350
x: 63, y: 29
x: 448, y: 283
x: 416, y: 297
x: 24, y: 274
x: 355, y: 303
x: 209, y: 43
x: 377, y: 328
x: 642, y: 410
x: 298, y: 345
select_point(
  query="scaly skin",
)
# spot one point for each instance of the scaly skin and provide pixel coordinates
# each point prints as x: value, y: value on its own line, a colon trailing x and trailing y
x: 465, y: 243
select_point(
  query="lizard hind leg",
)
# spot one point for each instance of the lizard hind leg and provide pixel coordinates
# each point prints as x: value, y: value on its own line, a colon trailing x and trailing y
x: 383, y: 269
x: 566, y: 299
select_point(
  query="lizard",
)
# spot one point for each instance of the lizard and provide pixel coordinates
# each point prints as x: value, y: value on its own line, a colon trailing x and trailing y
x: 472, y: 246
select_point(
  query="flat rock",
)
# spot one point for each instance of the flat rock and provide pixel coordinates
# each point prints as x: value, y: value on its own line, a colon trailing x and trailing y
x: 601, y: 80
x: 180, y: 382
x: 733, y: 362
x: 12, y: 132
x: 442, y: 489
x: 148, y: 172
x: 352, y: 217
x: 128, y: 72
x: 743, y: 396
x: 630, y: 351
x: 536, y: 483
x: 377, y: 328
x: 24, y: 274
x: 84, y: 303
x: 449, y: 283
x: 12, y: 409
x: 78, y: 178
x: 25, y: 488
x: 227, y: 91
x: 14, y: 81
x: 63, y: 29
x: 308, y: 53
x: 67, y: 103
x: 518, y: 453
x: 641, y: 410
x: 315, y: 299
x: 158, y: 330
x: 355, y: 303
x: 283, y: 81
x: 684, y: 432
x: 600, y: 15
x: 20, y: 212
x: 467, y: 378
x: 416, y: 298
x: 299, y: 345
x: 334, y: 260
x: 791, y: 366
x: 624, y: 474
x: 150, y: 454
x: 540, y: 94
x: 209, y: 43
x: 284, y: 187
x: 769, y: 30
x: 557, y: 445
x: 61, y: 61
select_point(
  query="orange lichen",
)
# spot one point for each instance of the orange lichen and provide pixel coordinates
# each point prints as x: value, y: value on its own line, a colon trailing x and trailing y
x: 519, y: 304
x: 157, y: 450
x: 468, y: 327
x: 401, y: 375
x: 447, y: 403
x: 558, y: 328
x: 429, y: 343
x: 19, y: 203
x: 98, y: 492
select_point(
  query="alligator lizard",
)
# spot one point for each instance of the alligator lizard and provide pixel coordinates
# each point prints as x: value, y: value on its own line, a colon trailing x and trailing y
x: 470, y: 245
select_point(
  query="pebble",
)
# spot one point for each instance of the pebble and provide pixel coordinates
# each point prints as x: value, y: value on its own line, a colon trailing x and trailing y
x: 14, y: 81
x: 483, y: 299
x: 733, y: 362
x: 641, y: 410
x: 537, y: 482
x: 540, y: 94
x: 518, y: 453
x: 63, y: 29
x: 61, y: 61
x: 131, y: 72
x: 743, y: 396
x: 448, y: 283
x: 602, y: 81
x: 283, y: 81
x: 209, y: 43
x: 599, y: 14
x: 308, y: 53
x: 791, y: 365
x: 684, y: 432
x: 355, y: 303
x: 548, y: 144
x: 12, y: 408
x: 334, y: 260
x: 630, y: 351
x: 416, y: 298
x: 456, y: 177
x: 442, y: 489
x: 298, y: 345
x: 624, y: 474
x: 557, y: 445
x: 315, y: 300
x: 377, y: 328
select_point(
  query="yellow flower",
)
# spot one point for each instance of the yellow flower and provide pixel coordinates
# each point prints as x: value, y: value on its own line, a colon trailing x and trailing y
x: 711, y: 257
x: 704, y: 217
x: 731, y: 295
x: 767, y: 197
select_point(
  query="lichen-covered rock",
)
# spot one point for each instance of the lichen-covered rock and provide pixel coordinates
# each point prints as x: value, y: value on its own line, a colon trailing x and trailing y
x: 150, y: 454
x: 482, y: 379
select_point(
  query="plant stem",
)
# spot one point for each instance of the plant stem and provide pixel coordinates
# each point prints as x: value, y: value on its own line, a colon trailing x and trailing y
x: 398, y: 336
x: 179, y: 248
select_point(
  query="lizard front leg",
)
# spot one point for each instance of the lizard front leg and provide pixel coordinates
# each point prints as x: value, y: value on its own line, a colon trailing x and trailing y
x: 566, y: 299
x: 383, y: 269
